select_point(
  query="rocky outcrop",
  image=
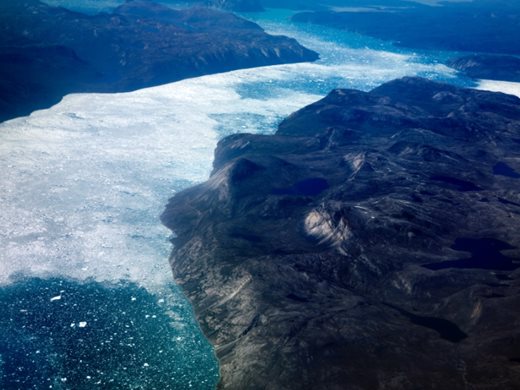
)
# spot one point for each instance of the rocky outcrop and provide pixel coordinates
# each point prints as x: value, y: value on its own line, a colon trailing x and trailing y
x: 47, y: 52
x: 371, y: 243
x: 479, y: 66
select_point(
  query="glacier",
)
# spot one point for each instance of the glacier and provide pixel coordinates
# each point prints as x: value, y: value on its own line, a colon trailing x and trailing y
x: 85, y: 181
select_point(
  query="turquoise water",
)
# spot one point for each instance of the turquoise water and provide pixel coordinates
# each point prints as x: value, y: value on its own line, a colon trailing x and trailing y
x: 85, y: 284
x: 61, y: 334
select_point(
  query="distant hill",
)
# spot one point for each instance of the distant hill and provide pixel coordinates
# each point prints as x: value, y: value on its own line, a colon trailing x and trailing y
x: 47, y: 52
x: 480, y: 26
x: 491, y: 67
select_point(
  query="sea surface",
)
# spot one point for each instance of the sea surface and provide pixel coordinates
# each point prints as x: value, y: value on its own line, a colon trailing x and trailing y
x: 86, y: 291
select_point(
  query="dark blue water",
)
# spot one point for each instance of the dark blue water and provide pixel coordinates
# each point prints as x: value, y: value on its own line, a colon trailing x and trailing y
x: 457, y: 184
x: 485, y: 253
x: 61, y: 334
x: 502, y: 169
x: 446, y: 329
x: 309, y: 187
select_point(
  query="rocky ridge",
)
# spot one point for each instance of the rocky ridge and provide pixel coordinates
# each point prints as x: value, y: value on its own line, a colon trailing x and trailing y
x: 491, y: 67
x: 371, y: 243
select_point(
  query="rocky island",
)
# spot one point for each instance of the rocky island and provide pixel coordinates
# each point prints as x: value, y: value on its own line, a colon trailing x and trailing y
x: 371, y: 243
x: 47, y: 52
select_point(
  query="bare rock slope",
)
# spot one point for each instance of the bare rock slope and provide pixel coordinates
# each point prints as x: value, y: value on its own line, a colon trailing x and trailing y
x: 371, y: 243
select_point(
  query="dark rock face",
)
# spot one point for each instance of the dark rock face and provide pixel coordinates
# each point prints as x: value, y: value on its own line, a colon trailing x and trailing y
x: 369, y: 244
x: 483, y: 26
x: 490, y: 67
x: 47, y: 52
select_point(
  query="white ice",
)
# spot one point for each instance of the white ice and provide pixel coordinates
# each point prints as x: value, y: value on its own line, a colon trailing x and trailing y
x: 508, y: 87
x: 84, y: 182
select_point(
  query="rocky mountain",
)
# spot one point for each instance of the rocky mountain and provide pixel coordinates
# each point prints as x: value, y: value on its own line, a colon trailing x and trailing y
x: 371, y: 243
x: 47, y: 52
x: 491, y: 67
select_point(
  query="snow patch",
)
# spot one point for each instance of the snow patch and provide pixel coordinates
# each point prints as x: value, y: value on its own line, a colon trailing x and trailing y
x: 322, y: 226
